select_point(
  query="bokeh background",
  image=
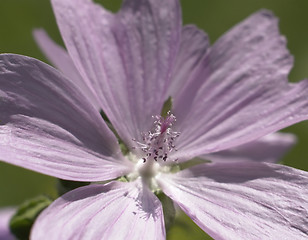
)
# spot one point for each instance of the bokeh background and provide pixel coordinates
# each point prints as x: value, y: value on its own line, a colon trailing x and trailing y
x: 19, y: 17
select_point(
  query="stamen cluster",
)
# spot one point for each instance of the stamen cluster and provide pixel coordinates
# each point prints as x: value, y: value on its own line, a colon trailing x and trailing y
x: 159, y: 142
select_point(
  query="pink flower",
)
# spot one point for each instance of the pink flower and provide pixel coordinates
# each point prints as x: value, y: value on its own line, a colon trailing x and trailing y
x: 227, y: 99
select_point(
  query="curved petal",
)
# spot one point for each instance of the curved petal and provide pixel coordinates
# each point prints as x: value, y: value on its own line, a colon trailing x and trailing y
x: 126, y: 57
x: 62, y: 61
x: 247, y: 200
x: 270, y: 148
x: 47, y: 125
x: 241, y: 91
x: 193, y: 48
x: 113, y: 211
x: 5, y: 216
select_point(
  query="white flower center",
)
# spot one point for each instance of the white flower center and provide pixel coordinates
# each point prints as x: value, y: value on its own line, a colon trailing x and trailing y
x: 147, y: 169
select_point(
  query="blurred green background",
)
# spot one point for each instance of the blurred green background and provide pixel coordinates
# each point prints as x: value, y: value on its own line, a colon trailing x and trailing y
x: 19, y: 17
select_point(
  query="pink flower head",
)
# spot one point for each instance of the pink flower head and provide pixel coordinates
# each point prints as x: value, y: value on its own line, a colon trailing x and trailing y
x: 227, y: 99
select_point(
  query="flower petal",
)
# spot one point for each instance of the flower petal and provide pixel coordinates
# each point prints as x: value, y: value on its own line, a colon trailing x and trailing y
x: 5, y: 216
x: 62, y: 61
x: 241, y: 92
x: 193, y: 48
x: 47, y: 125
x: 270, y: 148
x: 126, y: 57
x: 247, y: 200
x: 116, y: 210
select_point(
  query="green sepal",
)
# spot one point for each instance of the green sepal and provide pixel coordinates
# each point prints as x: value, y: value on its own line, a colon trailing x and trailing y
x: 124, y: 148
x: 122, y: 179
x: 26, y: 214
x: 64, y: 186
x: 166, y: 107
x: 104, y: 116
x: 168, y: 208
x: 192, y: 162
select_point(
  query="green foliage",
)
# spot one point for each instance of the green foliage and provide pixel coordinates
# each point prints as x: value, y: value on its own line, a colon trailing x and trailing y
x: 64, y: 186
x: 185, y: 229
x: 26, y: 214
x: 168, y: 209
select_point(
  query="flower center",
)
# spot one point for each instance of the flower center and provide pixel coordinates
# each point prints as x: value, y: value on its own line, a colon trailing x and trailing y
x: 148, y: 169
x: 155, y: 147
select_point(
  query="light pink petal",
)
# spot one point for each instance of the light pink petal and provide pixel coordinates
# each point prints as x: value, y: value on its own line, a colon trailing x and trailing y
x: 116, y: 210
x: 270, y: 148
x: 126, y: 57
x: 59, y: 57
x: 5, y: 217
x: 247, y: 200
x: 193, y: 48
x: 241, y: 92
x: 47, y: 125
